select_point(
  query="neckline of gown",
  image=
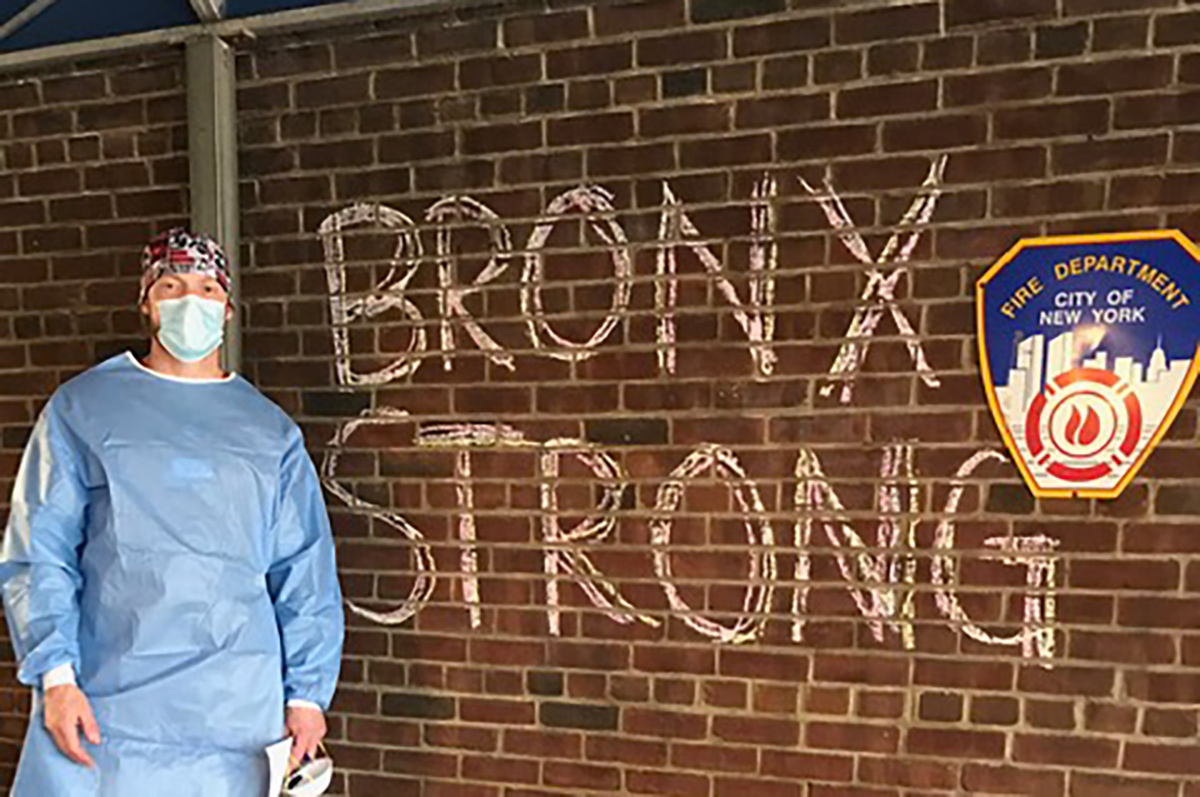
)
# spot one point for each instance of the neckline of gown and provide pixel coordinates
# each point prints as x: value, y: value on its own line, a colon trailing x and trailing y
x: 180, y: 379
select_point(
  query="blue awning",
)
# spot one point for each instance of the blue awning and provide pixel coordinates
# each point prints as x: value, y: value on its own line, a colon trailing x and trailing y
x: 65, y: 21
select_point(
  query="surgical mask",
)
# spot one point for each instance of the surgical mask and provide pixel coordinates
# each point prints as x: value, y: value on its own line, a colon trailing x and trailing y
x: 191, y: 328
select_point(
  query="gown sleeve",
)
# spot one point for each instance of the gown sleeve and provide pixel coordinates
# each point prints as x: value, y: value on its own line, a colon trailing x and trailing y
x: 303, y: 583
x: 39, y: 563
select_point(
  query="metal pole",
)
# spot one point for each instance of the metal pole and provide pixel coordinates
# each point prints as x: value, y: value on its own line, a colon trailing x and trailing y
x: 212, y: 158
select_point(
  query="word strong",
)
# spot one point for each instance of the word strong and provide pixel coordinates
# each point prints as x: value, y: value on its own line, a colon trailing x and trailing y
x: 881, y: 578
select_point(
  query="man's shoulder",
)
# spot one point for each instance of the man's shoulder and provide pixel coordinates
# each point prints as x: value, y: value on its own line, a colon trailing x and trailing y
x: 256, y: 401
x: 80, y: 383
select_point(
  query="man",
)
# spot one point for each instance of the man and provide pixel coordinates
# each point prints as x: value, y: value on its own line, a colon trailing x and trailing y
x: 168, y: 569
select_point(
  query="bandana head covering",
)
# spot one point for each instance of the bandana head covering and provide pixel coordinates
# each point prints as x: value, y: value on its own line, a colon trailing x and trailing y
x: 178, y: 251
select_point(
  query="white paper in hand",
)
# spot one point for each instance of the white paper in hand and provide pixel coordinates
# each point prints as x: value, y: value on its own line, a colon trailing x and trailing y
x: 278, y: 754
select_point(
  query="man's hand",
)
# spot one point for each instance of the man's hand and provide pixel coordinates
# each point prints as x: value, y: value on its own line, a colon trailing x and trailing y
x: 67, y: 710
x: 307, y: 727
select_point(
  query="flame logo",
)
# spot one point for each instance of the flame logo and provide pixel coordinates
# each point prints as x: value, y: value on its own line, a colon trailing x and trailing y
x: 1082, y: 431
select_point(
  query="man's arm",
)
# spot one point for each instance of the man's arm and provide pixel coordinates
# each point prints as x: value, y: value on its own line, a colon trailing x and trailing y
x: 303, y: 584
x: 39, y: 563
x: 40, y: 578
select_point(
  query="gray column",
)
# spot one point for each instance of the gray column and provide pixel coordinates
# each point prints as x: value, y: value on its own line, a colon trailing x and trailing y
x: 212, y: 157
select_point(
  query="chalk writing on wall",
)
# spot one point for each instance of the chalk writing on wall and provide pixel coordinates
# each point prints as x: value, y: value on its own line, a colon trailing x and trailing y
x: 754, y: 314
x: 880, y: 577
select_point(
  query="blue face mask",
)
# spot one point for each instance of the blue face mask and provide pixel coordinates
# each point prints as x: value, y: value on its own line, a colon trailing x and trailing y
x: 191, y: 328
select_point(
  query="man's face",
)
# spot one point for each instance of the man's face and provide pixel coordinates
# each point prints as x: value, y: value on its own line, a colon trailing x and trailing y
x: 176, y: 286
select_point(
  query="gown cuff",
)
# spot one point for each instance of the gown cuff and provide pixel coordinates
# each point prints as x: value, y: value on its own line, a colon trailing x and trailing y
x: 296, y: 702
x: 58, y: 676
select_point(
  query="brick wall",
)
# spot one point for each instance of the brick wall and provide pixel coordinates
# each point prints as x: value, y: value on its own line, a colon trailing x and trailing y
x: 564, y: 300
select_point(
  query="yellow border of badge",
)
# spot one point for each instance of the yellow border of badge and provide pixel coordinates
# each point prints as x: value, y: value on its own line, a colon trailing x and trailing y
x: 985, y: 371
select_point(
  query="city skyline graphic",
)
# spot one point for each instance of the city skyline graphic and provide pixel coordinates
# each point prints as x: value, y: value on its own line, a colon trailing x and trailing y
x: 1039, y: 360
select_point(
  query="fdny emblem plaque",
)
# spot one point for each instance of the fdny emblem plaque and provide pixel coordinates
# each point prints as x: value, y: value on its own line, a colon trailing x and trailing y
x: 1088, y: 350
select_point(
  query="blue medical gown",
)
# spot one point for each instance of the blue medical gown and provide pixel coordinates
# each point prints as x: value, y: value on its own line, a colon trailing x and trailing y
x: 170, y: 540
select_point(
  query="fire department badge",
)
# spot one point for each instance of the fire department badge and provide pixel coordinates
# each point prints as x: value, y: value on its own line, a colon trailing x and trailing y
x: 1088, y: 348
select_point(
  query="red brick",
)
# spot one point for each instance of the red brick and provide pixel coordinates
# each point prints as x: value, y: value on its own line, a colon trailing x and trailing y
x: 72, y: 88
x: 410, y: 82
x: 887, y: 24
x: 739, y: 787
x: 1085, y: 7
x: 1176, y: 29
x: 994, y: 710
x: 980, y: 12
x: 941, y: 707
x: 374, y: 51
x: 1116, y: 76
x: 816, y: 142
x: 624, y: 17
x: 1088, y: 784
x: 413, y: 147
x: 996, y: 87
x: 717, y: 758
x: 837, y: 66
x: 626, y: 751
x: 954, y: 743
x: 337, y: 154
x: 1109, y: 155
x: 780, y: 37
x: 790, y: 667
x: 1128, y: 574
x: 808, y: 766
x: 545, y: 28
x: 1161, y: 759
x: 1169, y: 723
x: 1110, y: 718
x: 852, y: 737
x: 675, y: 784
x: 699, y: 661
x: 880, y: 703
x: 1065, y: 750
x: 581, y: 776
x: 594, y: 60
x: 771, y: 732
x: 894, y: 59
x: 1050, y: 714
x: 1004, y: 779
x: 631, y: 159
x: 1119, y: 33
x: 1157, y: 110
x: 599, y: 128
x: 912, y: 774
x: 1152, y: 612
x: 43, y: 122
x: 543, y: 744
x: 52, y: 181
x: 936, y: 133
x: 1061, y: 119
x: 861, y: 669
x: 782, y: 111
x: 666, y: 724
x: 895, y: 98
x: 495, y: 768
x: 452, y: 39
x: 681, y: 48
x: 502, y: 138
x: 499, y: 71
x: 502, y: 712
x: 684, y: 119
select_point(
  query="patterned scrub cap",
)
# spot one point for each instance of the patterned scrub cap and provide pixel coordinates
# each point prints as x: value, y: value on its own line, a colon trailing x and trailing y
x: 178, y: 251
